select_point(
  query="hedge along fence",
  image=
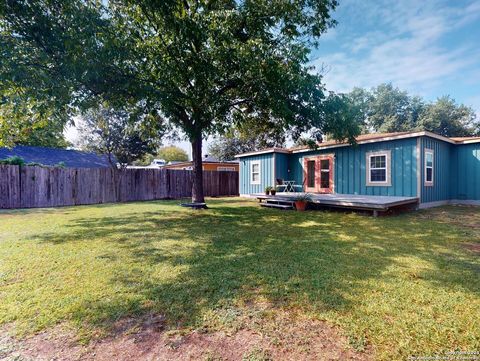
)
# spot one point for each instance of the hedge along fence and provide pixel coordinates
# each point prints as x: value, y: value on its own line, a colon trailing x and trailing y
x: 32, y: 186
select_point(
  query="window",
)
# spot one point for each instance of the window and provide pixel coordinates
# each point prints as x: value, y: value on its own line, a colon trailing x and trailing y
x: 325, y: 173
x: 311, y: 173
x: 378, y: 169
x: 225, y: 169
x: 255, y: 172
x: 429, y: 167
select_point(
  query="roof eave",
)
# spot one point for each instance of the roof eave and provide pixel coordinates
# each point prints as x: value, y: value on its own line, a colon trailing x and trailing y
x: 265, y: 151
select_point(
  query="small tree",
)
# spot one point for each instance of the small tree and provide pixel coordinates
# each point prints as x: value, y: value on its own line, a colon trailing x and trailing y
x: 120, y: 134
x: 172, y: 154
x: 247, y: 137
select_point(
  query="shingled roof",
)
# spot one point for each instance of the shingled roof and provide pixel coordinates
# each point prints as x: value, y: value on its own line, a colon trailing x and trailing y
x: 52, y: 156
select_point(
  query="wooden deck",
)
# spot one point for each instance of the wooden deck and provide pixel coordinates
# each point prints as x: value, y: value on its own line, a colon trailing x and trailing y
x: 349, y: 201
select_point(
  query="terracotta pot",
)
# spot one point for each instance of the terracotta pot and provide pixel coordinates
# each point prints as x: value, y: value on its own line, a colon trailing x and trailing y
x: 273, y: 192
x: 300, y: 205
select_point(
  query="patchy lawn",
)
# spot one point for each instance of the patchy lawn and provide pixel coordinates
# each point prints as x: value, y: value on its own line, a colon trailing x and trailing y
x: 281, y: 284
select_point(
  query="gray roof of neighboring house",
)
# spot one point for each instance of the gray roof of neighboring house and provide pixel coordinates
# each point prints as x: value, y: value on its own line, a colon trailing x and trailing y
x: 53, y: 156
x: 208, y: 158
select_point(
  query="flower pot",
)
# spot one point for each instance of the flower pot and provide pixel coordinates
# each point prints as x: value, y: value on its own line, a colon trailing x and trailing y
x: 267, y: 193
x: 300, y: 205
x: 273, y: 192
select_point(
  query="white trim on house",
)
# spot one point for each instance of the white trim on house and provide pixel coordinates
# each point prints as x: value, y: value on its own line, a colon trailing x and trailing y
x: 428, y: 183
x: 367, y: 141
x: 264, y: 151
x: 259, y: 172
x: 388, y: 168
x: 468, y: 141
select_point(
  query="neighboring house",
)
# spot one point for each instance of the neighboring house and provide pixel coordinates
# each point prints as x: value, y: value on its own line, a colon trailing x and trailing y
x: 435, y: 169
x: 54, y: 156
x: 209, y: 163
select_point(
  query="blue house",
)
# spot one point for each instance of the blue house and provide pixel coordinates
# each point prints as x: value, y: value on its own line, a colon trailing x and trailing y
x: 434, y: 169
x: 53, y: 156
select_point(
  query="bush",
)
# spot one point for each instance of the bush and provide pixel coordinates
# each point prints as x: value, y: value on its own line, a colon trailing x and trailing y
x: 15, y: 160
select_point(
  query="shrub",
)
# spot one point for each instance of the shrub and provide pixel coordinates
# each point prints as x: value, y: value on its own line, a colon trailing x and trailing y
x: 15, y: 160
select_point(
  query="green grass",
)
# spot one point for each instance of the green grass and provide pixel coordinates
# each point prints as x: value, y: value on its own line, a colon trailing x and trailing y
x: 402, y: 284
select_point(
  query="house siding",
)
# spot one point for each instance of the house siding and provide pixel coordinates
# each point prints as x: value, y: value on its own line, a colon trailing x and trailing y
x: 442, y: 160
x: 465, y: 172
x: 281, y: 166
x: 456, y: 174
x: 266, y: 173
x: 350, y: 174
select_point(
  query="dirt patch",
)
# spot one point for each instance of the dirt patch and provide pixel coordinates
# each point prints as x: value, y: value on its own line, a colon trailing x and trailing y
x: 473, y: 247
x: 285, y: 338
x: 464, y: 217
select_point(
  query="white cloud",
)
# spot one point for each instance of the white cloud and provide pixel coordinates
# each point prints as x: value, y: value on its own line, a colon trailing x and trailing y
x: 403, y: 46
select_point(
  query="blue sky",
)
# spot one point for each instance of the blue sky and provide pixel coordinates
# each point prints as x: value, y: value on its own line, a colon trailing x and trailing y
x: 427, y: 47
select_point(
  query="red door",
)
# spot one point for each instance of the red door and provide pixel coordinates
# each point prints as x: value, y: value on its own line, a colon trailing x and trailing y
x: 318, y: 174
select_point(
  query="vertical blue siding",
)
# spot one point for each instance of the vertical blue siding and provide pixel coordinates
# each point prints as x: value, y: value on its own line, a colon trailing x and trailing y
x: 465, y: 172
x: 281, y: 166
x: 442, y: 156
x: 350, y: 168
x: 266, y: 173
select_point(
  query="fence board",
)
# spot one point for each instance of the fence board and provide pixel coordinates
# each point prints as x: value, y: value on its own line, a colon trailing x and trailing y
x: 31, y: 186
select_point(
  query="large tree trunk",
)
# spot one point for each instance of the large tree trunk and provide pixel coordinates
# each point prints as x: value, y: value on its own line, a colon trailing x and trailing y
x: 197, y: 187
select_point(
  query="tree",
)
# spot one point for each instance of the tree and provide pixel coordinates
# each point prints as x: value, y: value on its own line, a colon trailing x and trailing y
x: 22, y: 123
x: 202, y: 65
x: 172, y: 154
x: 122, y: 135
x: 388, y: 109
x: 447, y: 118
x: 247, y: 137
x: 392, y: 110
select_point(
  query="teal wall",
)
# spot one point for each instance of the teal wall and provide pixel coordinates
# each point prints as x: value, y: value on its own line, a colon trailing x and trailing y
x: 350, y: 172
x: 442, y: 179
x: 266, y: 173
x: 465, y: 172
x: 281, y: 166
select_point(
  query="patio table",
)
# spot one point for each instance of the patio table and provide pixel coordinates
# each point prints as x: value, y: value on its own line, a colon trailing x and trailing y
x: 289, y: 186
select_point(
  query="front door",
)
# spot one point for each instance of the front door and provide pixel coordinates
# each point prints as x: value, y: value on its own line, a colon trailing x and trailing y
x: 318, y: 174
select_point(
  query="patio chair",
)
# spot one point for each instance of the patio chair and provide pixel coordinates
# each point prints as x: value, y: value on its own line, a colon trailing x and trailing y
x: 279, y: 183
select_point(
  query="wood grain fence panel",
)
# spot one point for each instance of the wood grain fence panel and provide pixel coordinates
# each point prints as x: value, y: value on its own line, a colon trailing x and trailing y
x: 26, y: 187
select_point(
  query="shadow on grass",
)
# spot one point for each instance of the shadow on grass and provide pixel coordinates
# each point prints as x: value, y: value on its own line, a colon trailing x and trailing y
x: 316, y: 261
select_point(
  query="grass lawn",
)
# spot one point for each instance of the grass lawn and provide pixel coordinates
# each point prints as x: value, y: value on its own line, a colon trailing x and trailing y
x: 397, y: 285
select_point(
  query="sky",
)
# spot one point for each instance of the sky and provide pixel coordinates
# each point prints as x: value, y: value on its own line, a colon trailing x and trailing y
x: 427, y: 47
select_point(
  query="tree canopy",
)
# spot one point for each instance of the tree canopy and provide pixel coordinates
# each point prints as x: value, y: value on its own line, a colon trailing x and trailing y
x: 386, y: 108
x: 123, y: 135
x: 200, y: 65
x: 23, y: 123
x: 172, y: 154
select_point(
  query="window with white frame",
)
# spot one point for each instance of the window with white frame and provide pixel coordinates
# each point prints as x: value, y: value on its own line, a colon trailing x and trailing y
x: 255, y: 172
x: 429, y: 167
x: 225, y: 169
x: 378, y: 168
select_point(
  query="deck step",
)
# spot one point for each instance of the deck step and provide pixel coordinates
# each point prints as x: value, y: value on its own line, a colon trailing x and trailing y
x: 276, y: 205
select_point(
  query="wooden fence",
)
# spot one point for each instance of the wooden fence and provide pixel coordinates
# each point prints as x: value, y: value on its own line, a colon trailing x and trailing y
x: 28, y: 187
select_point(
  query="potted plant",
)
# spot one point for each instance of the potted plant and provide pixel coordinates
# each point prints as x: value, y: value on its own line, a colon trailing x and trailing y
x: 301, y: 201
x: 267, y: 190
x: 273, y: 190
